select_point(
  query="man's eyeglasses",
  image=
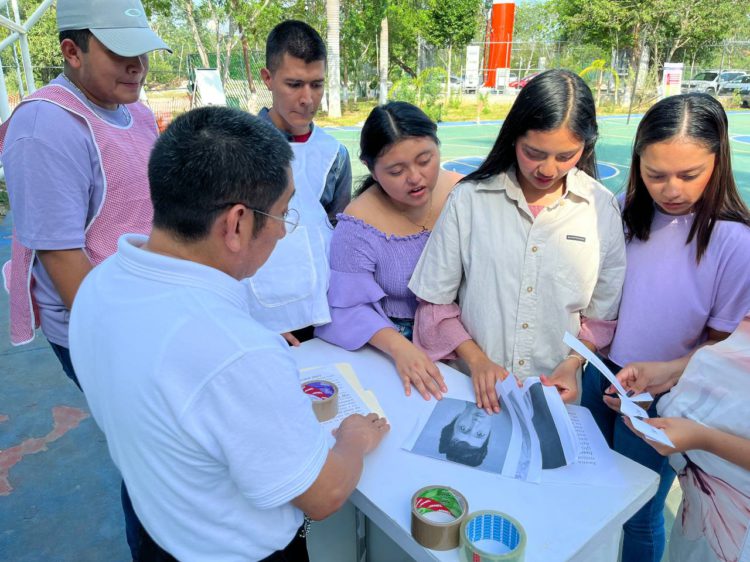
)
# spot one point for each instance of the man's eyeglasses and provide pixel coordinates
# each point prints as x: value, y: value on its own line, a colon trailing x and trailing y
x: 290, y: 218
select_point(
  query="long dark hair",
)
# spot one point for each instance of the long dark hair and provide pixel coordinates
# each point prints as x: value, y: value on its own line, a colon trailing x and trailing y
x: 551, y: 100
x: 386, y: 125
x: 701, y: 119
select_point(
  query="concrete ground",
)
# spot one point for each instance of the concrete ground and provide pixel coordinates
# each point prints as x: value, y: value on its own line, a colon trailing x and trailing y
x: 59, y: 491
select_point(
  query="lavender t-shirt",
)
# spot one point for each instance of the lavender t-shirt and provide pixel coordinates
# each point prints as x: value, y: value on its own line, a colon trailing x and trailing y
x: 55, y: 184
x: 669, y: 300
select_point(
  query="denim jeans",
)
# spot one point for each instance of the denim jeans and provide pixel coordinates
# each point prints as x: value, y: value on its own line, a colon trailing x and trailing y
x: 63, y: 355
x: 133, y: 527
x: 644, y: 534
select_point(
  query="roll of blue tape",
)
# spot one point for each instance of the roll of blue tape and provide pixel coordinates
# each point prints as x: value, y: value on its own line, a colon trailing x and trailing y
x: 491, y: 536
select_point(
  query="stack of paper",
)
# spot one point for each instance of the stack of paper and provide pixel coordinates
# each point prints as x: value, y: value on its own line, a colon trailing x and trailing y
x: 353, y: 398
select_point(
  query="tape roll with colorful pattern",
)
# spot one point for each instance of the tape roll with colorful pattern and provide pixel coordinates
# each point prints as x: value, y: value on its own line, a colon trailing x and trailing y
x: 436, y: 516
x: 325, y: 398
x: 491, y: 536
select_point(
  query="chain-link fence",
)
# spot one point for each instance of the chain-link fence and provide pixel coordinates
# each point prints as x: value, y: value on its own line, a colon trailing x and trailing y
x: 611, y: 75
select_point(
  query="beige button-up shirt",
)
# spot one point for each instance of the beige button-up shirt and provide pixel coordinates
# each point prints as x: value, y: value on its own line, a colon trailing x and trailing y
x: 522, y: 282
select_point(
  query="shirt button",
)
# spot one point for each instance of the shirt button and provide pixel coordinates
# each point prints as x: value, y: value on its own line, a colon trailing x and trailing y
x: 562, y: 202
x: 521, y: 362
x: 524, y: 325
x: 529, y: 289
x: 534, y: 248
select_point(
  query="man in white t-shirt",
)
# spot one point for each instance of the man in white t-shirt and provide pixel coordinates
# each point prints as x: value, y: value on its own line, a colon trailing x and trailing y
x: 200, y: 404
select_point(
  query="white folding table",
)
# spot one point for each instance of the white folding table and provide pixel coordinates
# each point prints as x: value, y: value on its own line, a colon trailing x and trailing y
x: 562, y: 522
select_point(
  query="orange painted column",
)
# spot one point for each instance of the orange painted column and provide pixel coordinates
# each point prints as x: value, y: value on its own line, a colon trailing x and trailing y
x: 497, y: 59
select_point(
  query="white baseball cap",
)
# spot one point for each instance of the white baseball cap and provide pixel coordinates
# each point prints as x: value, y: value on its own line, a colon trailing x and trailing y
x: 120, y: 25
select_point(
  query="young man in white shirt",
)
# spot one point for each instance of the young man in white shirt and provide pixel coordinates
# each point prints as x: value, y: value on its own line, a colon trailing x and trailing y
x: 201, y: 405
x: 295, y: 74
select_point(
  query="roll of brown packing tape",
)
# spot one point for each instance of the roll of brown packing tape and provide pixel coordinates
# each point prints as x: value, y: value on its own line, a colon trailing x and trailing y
x: 436, y: 516
x: 325, y: 398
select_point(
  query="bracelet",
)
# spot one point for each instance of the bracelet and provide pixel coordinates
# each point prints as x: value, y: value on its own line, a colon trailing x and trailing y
x: 581, y: 360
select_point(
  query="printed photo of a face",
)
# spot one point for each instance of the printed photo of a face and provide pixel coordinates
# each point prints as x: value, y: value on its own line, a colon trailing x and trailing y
x: 460, y: 432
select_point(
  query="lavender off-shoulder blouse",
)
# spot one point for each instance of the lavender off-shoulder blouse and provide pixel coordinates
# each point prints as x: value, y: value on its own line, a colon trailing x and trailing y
x: 370, y: 274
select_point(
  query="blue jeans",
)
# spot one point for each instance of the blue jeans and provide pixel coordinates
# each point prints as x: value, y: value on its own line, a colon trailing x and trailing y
x: 133, y: 528
x: 644, y: 534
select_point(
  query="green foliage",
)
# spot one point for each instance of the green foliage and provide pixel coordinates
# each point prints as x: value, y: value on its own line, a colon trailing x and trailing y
x: 424, y: 91
x: 452, y: 23
x: 406, y: 22
x: 665, y: 26
x: 535, y: 21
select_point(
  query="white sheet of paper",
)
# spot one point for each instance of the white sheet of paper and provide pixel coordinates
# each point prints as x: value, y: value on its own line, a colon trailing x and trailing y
x: 595, y: 464
x: 368, y: 396
x: 574, y: 343
x: 350, y: 401
x: 631, y: 409
x: 651, y: 432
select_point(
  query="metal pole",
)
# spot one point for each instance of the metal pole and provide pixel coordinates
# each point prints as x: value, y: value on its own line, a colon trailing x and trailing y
x: 25, y: 55
x: 4, y: 105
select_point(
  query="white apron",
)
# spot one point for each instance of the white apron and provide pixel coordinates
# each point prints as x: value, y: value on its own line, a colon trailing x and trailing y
x: 289, y: 291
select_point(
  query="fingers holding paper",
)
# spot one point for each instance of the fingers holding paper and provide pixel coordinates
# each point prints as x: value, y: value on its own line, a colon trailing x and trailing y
x: 654, y: 377
x: 364, y: 431
x: 564, y: 379
x: 683, y: 433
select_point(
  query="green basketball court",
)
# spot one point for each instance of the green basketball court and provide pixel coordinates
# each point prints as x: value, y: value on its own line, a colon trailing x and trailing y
x: 464, y: 146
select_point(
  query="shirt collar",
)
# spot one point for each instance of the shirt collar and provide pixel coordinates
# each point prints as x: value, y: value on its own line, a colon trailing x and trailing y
x: 132, y: 257
x: 578, y: 185
x: 266, y: 115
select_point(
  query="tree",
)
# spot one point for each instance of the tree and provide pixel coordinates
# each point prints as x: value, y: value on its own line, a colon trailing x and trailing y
x: 383, y: 63
x: 452, y: 23
x: 334, y: 58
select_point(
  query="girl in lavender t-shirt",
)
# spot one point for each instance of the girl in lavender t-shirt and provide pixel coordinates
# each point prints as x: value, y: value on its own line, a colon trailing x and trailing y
x: 379, y: 238
x: 687, y: 281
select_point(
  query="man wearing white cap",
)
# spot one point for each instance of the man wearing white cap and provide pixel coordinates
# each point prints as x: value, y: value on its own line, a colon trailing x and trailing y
x: 75, y: 155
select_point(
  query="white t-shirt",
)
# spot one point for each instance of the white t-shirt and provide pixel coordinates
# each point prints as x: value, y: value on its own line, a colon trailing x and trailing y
x: 201, y: 406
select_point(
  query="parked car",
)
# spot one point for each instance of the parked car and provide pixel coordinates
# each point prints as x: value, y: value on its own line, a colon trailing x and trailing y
x: 518, y: 84
x: 472, y: 83
x: 710, y: 81
x: 741, y: 85
x: 745, y: 99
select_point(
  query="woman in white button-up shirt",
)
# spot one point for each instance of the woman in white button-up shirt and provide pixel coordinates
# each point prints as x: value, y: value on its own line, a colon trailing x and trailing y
x: 527, y: 247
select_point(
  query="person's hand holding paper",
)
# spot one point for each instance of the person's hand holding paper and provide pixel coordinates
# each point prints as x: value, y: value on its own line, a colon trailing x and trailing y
x: 654, y: 377
x: 627, y: 400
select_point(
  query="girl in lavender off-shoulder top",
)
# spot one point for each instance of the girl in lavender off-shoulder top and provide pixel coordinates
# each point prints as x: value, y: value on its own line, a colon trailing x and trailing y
x: 379, y: 239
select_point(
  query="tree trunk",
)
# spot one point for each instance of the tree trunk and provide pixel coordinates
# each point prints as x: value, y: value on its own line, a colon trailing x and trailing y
x: 189, y: 12
x: 448, y: 77
x: 383, y: 62
x: 334, y: 59
x: 246, y: 59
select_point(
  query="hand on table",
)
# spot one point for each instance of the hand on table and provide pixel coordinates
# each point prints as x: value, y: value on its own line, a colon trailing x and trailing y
x: 484, y: 375
x: 364, y: 431
x: 564, y: 378
x: 415, y: 368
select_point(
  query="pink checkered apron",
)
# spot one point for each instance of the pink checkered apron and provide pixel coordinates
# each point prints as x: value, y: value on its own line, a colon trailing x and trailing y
x: 125, y: 207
